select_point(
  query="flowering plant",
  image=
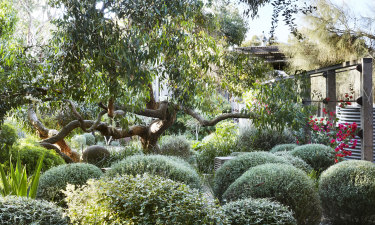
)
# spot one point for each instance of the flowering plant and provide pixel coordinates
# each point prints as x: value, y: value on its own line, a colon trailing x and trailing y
x: 340, y: 137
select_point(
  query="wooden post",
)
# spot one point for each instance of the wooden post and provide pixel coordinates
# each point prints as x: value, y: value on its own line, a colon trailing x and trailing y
x: 331, y: 90
x: 367, y: 110
x: 307, y: 103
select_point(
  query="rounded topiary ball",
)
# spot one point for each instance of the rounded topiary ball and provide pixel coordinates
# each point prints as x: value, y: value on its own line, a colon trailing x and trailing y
x: 234, y: 168
x: 318, y: 156
x: 347, y: 192
x: 141, y: 199
x: 90, y: 139
x: 295, y: 161
x: 258, y: 211
x: 21, y: 210
x: 164, y: 166
x: 283, y: 147
x: 96, y: 155
x: 283, y: 183
x: 55, y: 179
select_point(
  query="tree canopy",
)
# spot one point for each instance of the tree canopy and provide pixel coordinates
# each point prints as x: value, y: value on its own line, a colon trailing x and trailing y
x: 110, y: 52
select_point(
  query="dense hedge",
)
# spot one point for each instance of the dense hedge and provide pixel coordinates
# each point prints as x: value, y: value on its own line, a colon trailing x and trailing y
x: 347, y: 192
x: 318, y: 156
x: 143, y: 199
x: 21, y: 210
x: 258, y: 211
x: 164, y: 166
x: 29, y: 152
x: 283, y: 147
x: 54, y: 180
x: 283, y: 183
x: 295, y: 161
x: 233, y: 169
x: 253, y: 139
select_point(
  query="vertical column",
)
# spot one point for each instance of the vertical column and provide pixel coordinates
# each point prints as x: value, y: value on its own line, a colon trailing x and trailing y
x: 331, y: 90
x: 367, y: 110
x: 307, y: 102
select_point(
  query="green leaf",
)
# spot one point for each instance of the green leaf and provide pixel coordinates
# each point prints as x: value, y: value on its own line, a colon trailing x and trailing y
x: 6, y: 186
x: 35, y: 180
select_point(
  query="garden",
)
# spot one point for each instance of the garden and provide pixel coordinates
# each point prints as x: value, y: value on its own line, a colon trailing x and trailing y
x: 118, y: 112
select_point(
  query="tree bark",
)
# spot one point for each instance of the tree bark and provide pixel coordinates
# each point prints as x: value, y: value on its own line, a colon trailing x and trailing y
x: 155, y: 130
x: 45, y: 133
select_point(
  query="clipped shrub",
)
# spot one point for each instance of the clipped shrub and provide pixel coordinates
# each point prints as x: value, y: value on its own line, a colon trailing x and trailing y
x: 22, y: 210
x: 176, y: 146
x: 233, y: 169
x: 164, y: 166
x: 258, y: 211
x: 347, y: 192
x: 141, y: 199
x: 30, y: 151
x: 95, y: 155
x: 89, y: 138
x: 8, y: 136
x: 283, y: 183
x: 253, y: 139
x: 295, y: 161
x: 318, y: 156
x: 283, y: 147
x: 54, y: 180
x: 119, y: 153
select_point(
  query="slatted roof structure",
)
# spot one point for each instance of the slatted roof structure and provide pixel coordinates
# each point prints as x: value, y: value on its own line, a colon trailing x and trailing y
x: 270, y: 54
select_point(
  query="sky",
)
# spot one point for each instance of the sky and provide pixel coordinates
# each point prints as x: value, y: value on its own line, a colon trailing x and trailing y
x: 263, y: 22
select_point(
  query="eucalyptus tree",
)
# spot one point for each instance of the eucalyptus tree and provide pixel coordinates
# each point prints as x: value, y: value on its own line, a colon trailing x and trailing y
x: 109, y: 52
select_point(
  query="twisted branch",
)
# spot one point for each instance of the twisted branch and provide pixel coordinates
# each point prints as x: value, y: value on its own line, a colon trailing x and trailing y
x: 219, y: 118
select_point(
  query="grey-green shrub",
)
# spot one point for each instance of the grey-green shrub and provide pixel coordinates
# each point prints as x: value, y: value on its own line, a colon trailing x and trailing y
x: 318, y: 156
x: 141, y: 199
x: 295, y: 161
x: 283, y: 183
x: 253, y: 139
x: 119, y: 153
x: 22, y: 210
x: 164, y: 166
x: 90, y: 139
x: 55, y: 179
x: 176, y: 146
x: 258, y: 211
x: 283, y: 147
x: 347, y: 192
x: 234, y: 168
